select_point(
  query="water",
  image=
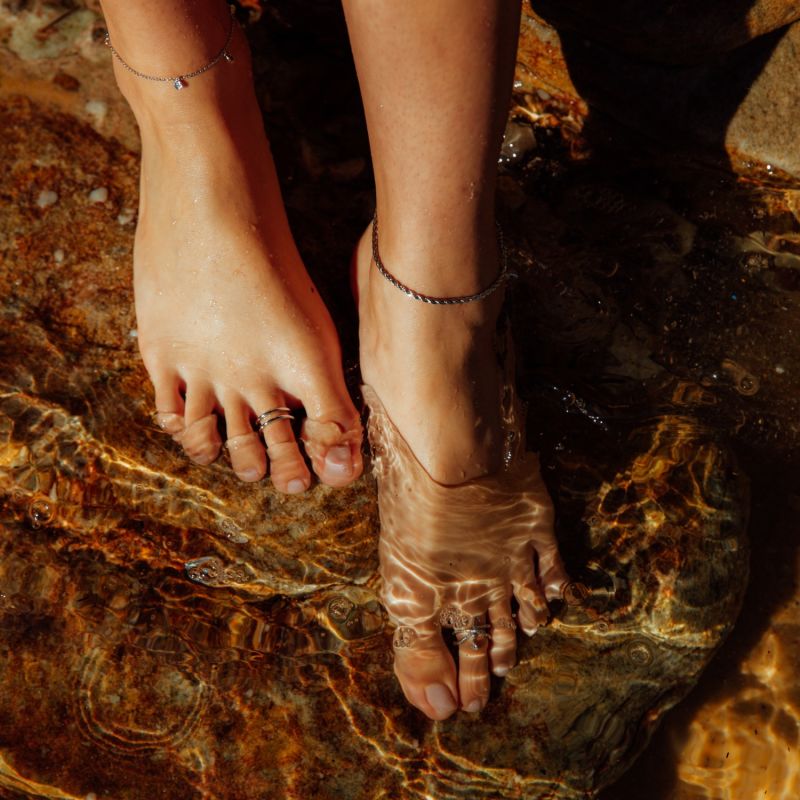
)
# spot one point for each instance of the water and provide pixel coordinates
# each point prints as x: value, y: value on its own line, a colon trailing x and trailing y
x: 166, y: 631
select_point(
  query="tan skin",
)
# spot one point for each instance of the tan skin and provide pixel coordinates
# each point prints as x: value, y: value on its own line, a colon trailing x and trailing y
x: 218, y: 217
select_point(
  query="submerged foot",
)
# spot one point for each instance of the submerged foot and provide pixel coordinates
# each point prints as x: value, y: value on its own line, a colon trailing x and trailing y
x: 229, y: 323
x: 466, y: 521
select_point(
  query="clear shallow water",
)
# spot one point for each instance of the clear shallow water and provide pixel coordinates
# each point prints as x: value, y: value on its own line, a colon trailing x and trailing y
x: 654, y: 326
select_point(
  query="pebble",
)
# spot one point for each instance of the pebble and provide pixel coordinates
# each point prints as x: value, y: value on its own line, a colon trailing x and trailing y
x: 58, y: 256
x: 96, y: 109
x: 98, y: 195
x: 47, y: 197
x: 125, y: 216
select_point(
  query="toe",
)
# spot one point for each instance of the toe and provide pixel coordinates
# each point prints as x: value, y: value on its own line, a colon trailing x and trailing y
x: 553, y: 575
x: 427, y: 676
x: 168, y: 401
x: 533, y: 610
x: 166, y: 385
x: 287, y: 467
x: 200, y: 438
x: 244, y: 445
x: 332, y: 441
x: 248, y: 459
x: 503, y: 646
x: 473, y: 675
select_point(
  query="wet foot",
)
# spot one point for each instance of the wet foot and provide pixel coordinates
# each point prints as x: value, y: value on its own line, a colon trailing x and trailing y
x: 466, y: 522
x: 229, y: 322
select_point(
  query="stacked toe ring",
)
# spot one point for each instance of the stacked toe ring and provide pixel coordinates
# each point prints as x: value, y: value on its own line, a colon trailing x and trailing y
x: 264, y: 420
x: 247, y: 451
x: 466, y: 628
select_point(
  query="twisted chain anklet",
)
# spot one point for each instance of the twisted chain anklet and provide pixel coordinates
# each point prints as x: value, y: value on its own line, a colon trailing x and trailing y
x: 443, y: 301
x: 179, y: 81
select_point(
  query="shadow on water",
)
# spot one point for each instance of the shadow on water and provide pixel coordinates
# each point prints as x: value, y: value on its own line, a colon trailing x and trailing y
x: 662, y: 81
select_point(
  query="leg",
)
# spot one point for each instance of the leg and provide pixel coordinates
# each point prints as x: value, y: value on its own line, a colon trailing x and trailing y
x: 435, y: 79
x: 229, y: 320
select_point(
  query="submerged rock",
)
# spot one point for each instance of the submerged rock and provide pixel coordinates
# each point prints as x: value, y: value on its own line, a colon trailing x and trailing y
x: 215, y: 637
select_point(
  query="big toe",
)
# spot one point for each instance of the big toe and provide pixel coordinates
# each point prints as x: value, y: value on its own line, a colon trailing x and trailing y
x: 427, y: 676
x: 334, y: 449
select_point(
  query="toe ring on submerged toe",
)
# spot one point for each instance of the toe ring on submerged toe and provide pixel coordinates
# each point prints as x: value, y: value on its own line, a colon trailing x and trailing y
x: 465, y: 627
x: 505, y: 622
x: 477, y: 634
x: 404, y: 637
x: 265, y: 419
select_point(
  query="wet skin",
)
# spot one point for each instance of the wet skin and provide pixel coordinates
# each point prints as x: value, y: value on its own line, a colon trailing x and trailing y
x: 230, y: 324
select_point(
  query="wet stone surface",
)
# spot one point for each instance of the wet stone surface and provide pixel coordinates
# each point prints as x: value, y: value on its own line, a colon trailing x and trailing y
x: 168, y: 631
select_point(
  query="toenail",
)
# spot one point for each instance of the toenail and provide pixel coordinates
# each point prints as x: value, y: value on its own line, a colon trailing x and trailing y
x: 473, y: 707
x: 250, y: 474
x: 339, y: 460
x: 501, y: 671
x: 296, y: 486
x: 440, y: 699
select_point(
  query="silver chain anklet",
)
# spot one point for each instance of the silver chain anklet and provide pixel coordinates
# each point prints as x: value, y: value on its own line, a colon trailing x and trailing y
x: 180, y: 81
x: 443, y: 301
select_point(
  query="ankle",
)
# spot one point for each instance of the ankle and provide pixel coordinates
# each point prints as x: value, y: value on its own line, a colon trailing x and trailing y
x: 225, y: 90
x: 440, y: 259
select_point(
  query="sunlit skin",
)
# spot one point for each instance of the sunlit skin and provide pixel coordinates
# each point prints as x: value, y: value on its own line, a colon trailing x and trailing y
x: 472, y: 547
x: 230, y: 324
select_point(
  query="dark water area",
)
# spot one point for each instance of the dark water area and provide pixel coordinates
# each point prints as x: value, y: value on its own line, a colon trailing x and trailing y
x: 167, y: 632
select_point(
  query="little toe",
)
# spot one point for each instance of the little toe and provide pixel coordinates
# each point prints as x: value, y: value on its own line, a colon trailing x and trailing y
x: 166, y: 385
x: 473, y: 674
x: 427, y: 676
x: 552, y: 572
x: 334, y: 448
x: 503, y: 646
x: 533, y: 611
x: 287, y: 468
x: 168, y: 402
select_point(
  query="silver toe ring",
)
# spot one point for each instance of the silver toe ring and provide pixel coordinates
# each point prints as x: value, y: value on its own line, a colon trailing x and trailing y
x: 477, y: 634
x: 506, y: 623
x: 404, y: 637
x: 465, y: 627
x: 266, y: 419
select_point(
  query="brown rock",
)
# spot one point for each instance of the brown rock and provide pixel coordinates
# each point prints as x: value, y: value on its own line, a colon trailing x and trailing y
x: 741, y: 110
x: 681, y: 32
x: 214, y: 638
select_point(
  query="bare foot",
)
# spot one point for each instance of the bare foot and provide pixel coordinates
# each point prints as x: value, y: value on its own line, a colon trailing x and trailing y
x: 229, y: 321
x: 466, y: 521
